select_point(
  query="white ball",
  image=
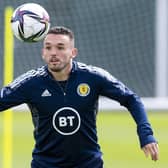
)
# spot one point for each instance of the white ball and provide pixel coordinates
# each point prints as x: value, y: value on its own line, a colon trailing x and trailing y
x: 30, y: 22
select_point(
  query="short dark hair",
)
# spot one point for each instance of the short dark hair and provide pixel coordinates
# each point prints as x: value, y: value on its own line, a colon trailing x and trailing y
x: 61, y: 30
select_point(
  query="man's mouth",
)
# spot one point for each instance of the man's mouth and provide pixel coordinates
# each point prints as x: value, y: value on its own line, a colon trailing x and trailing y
x: 54, y: 60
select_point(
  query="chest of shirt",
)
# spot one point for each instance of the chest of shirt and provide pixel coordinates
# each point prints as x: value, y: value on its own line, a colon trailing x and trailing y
x: 49, y: 96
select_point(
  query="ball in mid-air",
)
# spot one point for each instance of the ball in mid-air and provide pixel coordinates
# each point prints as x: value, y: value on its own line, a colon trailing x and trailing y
x: 30, y: 22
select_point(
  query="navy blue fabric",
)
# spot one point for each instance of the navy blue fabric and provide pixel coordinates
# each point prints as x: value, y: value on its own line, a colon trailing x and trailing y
x: 65, y: 119
x: 91, y: 162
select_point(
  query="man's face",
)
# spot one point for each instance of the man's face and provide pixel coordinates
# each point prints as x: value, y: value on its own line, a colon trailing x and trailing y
x: 58, y: 52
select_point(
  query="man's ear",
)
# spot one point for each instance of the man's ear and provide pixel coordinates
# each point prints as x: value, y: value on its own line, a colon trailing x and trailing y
x: 74, y: 52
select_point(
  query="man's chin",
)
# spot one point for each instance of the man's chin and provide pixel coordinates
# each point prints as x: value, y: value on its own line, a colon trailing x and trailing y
x: 55, y: 69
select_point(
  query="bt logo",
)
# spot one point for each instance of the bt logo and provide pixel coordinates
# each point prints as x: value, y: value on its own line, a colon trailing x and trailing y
x: 66, y: 121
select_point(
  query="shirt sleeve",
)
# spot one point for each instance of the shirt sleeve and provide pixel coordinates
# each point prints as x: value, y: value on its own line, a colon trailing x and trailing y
x: 10, y: 97
x: 116, y: 90
x: 17, y: 91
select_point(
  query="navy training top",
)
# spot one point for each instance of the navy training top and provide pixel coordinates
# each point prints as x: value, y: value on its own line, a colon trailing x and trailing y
x: 65, y: 119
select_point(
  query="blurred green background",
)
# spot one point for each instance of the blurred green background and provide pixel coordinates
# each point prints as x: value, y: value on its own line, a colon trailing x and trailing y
x: 117, y: 136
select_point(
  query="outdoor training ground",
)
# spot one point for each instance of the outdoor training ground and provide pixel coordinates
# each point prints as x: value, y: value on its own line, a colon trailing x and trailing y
x: 117, y: 136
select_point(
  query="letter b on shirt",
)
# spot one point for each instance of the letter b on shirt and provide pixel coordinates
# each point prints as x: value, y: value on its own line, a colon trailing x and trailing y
x: 65, y: 121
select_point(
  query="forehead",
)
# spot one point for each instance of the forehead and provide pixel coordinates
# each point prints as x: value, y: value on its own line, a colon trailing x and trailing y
x: 56, y: 39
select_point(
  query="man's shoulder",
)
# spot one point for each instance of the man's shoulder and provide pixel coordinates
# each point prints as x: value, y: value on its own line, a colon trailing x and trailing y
x: 89, y: 68
x: 95, y: 70
x: 28, y: 76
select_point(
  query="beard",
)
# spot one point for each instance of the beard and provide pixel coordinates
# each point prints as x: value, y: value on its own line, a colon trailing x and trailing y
x: 58, y: 67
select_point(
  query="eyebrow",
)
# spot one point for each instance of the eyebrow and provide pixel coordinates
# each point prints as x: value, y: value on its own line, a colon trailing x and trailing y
x: 60, y: 44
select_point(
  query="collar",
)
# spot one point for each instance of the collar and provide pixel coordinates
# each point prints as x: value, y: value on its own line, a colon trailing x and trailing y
x: 73, y: 70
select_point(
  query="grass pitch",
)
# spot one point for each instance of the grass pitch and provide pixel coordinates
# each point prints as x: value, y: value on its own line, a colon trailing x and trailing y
x: 117, y: 137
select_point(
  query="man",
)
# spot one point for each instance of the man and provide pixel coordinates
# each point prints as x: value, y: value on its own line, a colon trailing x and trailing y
x: 63, y: 99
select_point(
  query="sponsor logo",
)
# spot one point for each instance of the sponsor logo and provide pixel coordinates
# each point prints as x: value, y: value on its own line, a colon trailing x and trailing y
x: 66, y: 121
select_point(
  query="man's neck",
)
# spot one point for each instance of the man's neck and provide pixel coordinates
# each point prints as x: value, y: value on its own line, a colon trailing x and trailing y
x: 61, y: 75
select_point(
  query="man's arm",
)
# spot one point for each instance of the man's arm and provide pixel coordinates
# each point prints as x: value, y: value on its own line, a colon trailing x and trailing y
x: 116, y: 90
x: 135, y: 106
x: 10, y: 97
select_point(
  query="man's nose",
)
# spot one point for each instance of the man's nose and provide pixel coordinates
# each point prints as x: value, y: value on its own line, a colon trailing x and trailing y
x: 53, y: 51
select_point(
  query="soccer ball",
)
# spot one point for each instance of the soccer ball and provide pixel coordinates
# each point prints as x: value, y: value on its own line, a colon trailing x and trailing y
x: 30, y: 22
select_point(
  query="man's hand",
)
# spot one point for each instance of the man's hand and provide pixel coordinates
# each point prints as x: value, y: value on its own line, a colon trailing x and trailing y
x: 152, y: 150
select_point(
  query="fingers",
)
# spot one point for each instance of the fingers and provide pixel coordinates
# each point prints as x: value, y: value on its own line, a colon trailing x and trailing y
x: 152, y: 150
x: 145, y: 151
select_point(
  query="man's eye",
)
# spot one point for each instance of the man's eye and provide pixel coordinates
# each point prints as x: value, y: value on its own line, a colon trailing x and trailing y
x: 47, y: 48
x: 60, y: 48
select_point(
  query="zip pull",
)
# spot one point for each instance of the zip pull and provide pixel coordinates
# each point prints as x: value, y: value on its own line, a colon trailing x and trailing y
x: 64, y: 93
